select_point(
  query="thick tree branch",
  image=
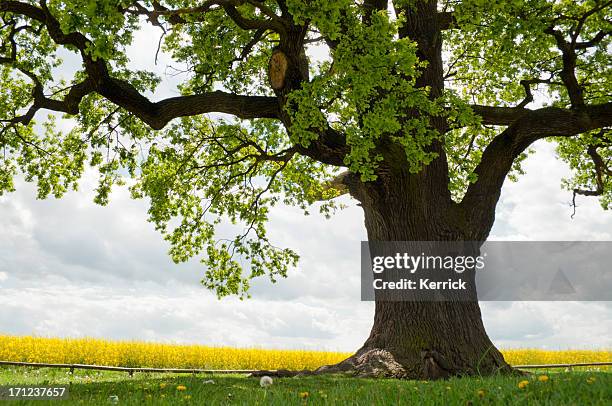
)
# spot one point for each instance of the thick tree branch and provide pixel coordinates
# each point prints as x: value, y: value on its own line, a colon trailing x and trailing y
x: 421, y: 24
x: 123, y: 94
x: 504, y: 116
x: 338, y: 184
x: 330, y: 148
x: 498, y: 157
x: 593, y: 41
x: 582, y: 20
x: 568, y: 52
x: 158, y: 114
x: 568, y: 74
x: 499, y: 115
x: 68, y: 105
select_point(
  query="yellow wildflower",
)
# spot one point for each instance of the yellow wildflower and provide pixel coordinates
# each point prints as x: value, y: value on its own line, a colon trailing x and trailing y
x: 523, y: 384
x: 543, y: 378
x: 304, y: 395
x: 181, y: 388
x: 162, y: 385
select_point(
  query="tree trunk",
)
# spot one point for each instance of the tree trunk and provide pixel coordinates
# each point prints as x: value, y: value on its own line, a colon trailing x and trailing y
x: 419, y: 340
x: 427, y: 340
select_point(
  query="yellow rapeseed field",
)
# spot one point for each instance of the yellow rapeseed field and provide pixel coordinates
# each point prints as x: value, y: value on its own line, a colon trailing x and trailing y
x: 534, y: 356
x: 144, y: 354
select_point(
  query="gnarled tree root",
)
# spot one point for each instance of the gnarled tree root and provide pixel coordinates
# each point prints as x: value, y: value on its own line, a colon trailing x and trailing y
x: 380, y: 363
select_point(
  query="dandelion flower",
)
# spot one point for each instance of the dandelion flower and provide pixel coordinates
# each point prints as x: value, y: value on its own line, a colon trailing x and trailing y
x: 265, y: 381
x: 543, y: 378
x: 523, y: 384
x: 181, y: 388
x: 162, y: 385
x: 304, y: 395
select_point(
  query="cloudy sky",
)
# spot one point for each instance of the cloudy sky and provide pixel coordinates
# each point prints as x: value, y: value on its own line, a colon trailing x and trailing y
x: 70, y: 268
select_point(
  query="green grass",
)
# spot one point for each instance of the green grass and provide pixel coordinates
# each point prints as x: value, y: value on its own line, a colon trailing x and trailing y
x: 95, y: 388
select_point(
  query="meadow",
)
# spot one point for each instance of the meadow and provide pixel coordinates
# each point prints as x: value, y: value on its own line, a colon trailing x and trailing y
x: 144, y: 354
x: 547, y: 387
x: 108, y: 388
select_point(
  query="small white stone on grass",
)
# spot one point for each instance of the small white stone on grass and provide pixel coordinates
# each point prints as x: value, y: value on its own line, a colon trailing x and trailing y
x: 113, y: 399
x: 265, y: 381
x: 209, y: 381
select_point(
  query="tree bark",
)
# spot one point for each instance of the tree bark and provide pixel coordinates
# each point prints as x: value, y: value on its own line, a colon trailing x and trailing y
x: 419, y: 340
x: 427, y: 340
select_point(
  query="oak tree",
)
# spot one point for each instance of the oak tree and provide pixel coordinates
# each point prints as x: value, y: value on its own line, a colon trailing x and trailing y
x: 419, y: 109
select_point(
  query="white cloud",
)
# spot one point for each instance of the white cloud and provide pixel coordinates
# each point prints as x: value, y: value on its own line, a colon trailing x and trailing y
x: 536, y: 208
x: 549, y: 325
x: 70, y: 268
x: 177, y: 313
x: 77, y: 269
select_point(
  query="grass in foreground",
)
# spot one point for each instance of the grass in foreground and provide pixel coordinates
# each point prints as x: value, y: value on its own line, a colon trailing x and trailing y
x: 99, y: 388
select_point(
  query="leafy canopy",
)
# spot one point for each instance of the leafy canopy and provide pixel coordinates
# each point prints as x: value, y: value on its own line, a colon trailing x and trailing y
x: 362, y: 92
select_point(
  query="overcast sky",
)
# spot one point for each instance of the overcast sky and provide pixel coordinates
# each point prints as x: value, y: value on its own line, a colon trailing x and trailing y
x: 70, y: 268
